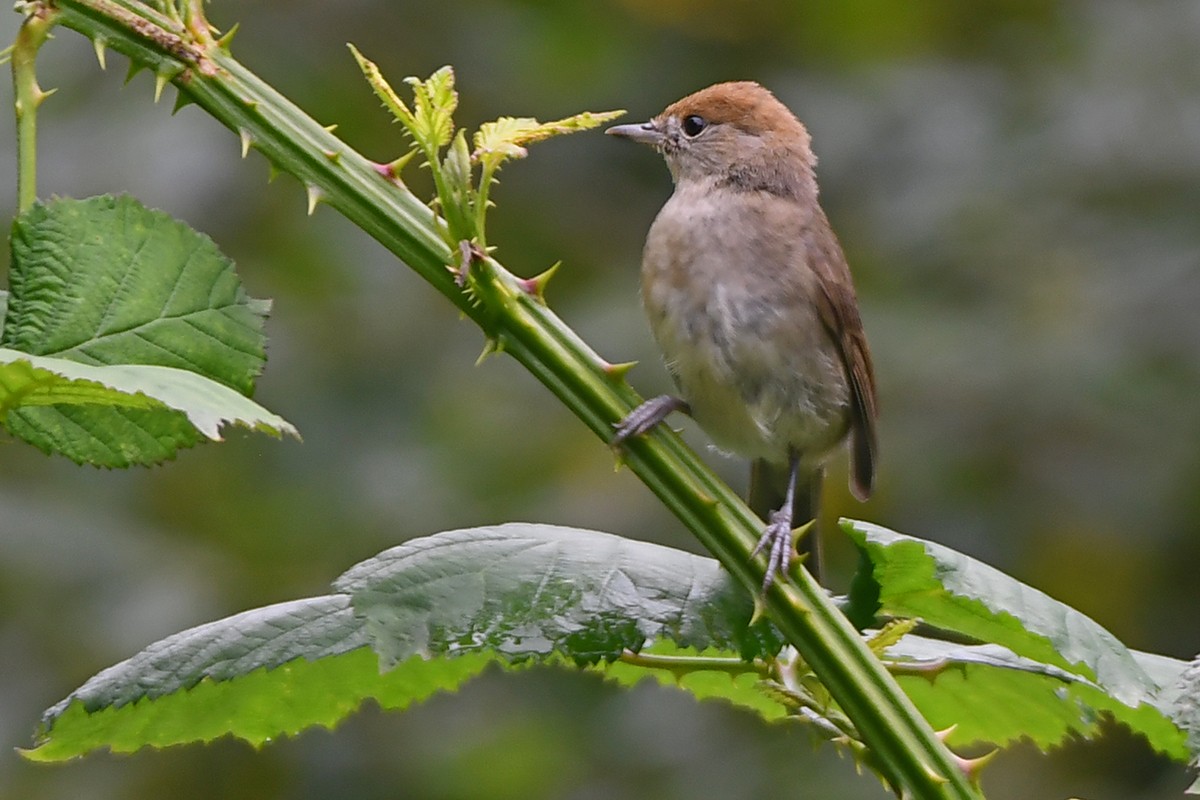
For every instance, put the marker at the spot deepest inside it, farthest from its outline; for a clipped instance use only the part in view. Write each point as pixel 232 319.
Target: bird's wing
pixel 838 308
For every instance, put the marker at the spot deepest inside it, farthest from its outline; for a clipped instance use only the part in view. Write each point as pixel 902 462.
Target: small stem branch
pixel 682 665
pixel 27 97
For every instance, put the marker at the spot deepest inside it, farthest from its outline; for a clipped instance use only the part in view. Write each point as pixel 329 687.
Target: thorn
pixel 936 776
pixel 272 172
pixel 330 128
pixel 100 47
pixel 946 733
pixel 181 99
pixel 491 346
pixel 388 172
pixel 760 609
pixel 314 196
pixel 40 96
pixel 134 69
pixel 971 767
pixel 225 40
pixel 160 81
pixel 247 140
pixel 798 533
pixel 536 286
pixel 617 372
pixel 333 155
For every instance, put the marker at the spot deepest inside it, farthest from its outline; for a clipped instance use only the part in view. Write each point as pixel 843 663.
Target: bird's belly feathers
pixel 747 351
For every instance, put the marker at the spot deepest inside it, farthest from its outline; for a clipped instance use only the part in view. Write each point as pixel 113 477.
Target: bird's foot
pixel 647 415
pixel 779 543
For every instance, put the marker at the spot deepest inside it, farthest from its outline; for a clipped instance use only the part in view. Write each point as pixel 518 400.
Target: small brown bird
pixel 750 299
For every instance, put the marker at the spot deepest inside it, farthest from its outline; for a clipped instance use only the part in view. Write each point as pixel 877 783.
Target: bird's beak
pixel 644 133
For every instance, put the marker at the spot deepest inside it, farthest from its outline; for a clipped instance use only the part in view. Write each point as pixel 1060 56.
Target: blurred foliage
pixel 1016 186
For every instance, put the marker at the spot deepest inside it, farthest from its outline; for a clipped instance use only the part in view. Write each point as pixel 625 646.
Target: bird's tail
pixel 768 490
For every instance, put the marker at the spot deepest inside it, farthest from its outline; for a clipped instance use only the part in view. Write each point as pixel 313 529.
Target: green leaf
pixel 990 695
pixel 527 590
pixel 434 104
pixel 258 675
pixel 430 122
pixel 108 281
pixel 383 90
pixel 954 592
pixel 105 281
pixel 30 381
pixel 907 577
pixel 436 610
pixel 506 137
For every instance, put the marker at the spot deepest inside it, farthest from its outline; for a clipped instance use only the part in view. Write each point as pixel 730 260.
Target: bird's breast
pixel 729 298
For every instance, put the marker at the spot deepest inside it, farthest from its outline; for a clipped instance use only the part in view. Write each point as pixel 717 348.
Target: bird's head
pixel 735 131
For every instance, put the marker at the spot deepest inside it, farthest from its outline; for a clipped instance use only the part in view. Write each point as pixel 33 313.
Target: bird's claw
pixel 779 541
pixel 647 415
pixel 776 541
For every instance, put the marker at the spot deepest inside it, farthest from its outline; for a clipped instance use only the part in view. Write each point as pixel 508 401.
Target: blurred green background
pixel 1016 184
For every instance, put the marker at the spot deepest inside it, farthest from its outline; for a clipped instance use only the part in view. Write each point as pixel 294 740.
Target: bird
pixel 751 301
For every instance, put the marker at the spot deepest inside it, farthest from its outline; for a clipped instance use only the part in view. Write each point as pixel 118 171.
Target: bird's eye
pixel 693 124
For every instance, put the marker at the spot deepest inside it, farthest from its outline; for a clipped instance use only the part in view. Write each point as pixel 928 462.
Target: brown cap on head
pixel 744 104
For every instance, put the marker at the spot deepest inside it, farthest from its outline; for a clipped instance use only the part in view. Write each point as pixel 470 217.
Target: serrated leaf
pixel 383 90
pixel 434 104
pixel 905 576
pixel 256 676
pixel 987 703
pixel 436 610
pixel 528 590
pixel 506 137
pixel 32 381
pixel 106 281
pixel 991 695
pixel 954 592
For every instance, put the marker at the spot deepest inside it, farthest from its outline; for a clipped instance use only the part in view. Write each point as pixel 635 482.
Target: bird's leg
pixel 776 540
pixel 647 415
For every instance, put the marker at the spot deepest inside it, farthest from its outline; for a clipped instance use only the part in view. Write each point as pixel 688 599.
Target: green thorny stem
pixel 27 97
pixel 513 316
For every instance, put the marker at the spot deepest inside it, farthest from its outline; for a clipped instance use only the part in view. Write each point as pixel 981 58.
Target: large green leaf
pixel 105 282
pixel 903 576
pixel 528 590
pixel 257 675
pixel 33 381
pixel 431 613
pixel 924 580
pixel 988 694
